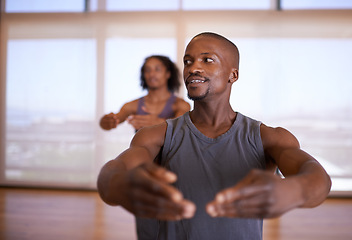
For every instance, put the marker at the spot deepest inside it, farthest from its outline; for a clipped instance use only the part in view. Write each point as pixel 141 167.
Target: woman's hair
pixel 173 83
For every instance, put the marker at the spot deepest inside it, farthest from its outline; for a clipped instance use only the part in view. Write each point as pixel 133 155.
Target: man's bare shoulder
pixel 150 136
pixel 277 137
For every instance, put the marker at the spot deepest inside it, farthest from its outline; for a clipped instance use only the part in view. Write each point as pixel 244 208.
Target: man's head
pixel 210 65
pixel 173 82
pixel 230 46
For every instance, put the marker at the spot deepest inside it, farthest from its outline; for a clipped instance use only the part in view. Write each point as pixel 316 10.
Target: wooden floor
pixel 65 215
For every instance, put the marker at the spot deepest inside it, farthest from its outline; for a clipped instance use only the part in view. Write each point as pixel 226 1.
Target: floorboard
pixel 65 214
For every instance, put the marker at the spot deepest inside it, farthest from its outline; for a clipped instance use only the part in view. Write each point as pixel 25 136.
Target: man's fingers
pixel 189 208
pixel 167 210
pixel 156 180
pixel 252 206
pixel 161 173
pixel 233 193
pixel 250 185
pixel 240 192
pixel 251 197
pixel 151 194
pixel 164 202
pixel 159 188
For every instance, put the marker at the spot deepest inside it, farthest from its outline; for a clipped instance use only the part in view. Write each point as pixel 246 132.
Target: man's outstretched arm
pixel 134 182
pixel 261 194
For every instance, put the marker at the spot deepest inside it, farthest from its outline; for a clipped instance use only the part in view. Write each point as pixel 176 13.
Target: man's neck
pixel 212 120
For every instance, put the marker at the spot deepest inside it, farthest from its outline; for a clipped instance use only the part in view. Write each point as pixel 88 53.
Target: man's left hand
pixel 261 194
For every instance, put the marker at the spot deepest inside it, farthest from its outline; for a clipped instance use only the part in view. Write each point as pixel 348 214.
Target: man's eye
pixel 186 62
pixel 209 60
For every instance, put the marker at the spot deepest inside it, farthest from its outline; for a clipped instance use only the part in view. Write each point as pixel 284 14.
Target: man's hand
pixel 261 194
pixel 109 121
pixel 150 194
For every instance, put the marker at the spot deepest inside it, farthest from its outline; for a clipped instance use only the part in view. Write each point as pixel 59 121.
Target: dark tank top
pixel 204 166
pixel 166 113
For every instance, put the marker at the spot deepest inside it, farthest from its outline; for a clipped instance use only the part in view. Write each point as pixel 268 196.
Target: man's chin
pixel 197 98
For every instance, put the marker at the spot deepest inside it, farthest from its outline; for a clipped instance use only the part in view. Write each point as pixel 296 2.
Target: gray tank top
pixel 205 166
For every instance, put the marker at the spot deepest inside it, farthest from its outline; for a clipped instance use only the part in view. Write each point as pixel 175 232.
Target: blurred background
pixel 65 63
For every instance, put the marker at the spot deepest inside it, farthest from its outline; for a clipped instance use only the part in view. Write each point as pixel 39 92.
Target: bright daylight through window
pixel 63 73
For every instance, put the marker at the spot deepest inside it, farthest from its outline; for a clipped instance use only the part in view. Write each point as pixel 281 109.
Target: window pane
pixel 142 5
pixel 44 6
pixel 50 110
pixel 225 4
pixel 93 5
pixel 310 94
pixel 316 4
pixel 124 59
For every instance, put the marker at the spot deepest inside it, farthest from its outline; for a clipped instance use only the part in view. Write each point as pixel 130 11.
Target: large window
pixel 310 94
pixel 61 74
pixel 50 108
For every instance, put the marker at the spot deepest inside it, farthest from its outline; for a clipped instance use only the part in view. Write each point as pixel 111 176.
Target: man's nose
pixel 196 67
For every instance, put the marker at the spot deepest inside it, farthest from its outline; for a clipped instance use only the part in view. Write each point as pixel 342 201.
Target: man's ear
pixel 233 75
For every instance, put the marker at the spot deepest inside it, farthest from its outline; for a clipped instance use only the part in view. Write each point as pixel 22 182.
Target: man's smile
pixel 194 79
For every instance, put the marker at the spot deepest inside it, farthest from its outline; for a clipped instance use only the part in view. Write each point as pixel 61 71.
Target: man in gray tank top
pixel 210 174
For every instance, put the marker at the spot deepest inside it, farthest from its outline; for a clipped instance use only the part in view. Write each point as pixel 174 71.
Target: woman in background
pixel 160 76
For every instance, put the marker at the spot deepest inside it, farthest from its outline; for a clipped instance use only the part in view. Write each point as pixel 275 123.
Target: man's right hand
pixel 150 195
pixel 109 121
